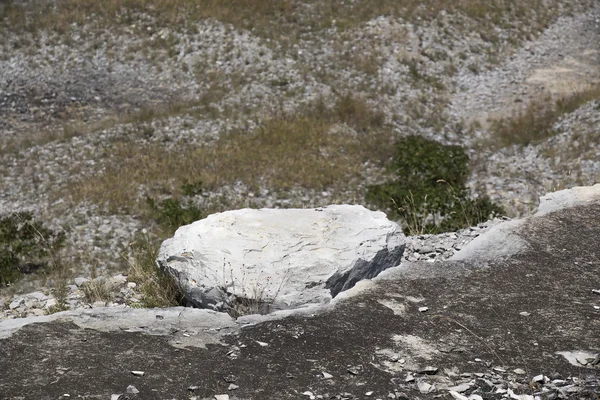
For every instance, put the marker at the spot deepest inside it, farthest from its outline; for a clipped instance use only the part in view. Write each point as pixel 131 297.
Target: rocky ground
pixel 69 101
pixel 513 315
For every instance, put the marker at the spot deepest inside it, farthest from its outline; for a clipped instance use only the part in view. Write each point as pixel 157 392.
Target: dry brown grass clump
pixel 316 149
pixel 158 289
pixel 534 123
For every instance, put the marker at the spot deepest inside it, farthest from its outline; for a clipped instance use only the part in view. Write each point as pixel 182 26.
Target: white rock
pixel 463 387
pixel 50 303
pixel 458 396
pixel 138 373
pixel 80 280
pixel 326 375
pixel 289 258
pixel 16 303
pixel 132 390
pixel 519 371
pixel 425 387
pixel 423 309
pixel 221 397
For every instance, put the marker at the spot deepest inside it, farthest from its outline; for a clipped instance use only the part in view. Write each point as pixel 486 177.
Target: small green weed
pixel 171 213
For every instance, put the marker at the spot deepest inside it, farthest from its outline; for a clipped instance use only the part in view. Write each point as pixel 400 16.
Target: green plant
pixel 60 292
pixel 171 213
pixel 429 194
pixel 158 289
pixel 25 246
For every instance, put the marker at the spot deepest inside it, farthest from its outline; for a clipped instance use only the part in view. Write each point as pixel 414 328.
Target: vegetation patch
pixel 429 194
pixel 158 288
pixel 534 123
pixel 317 148
pixel 284 20
pixel 25 246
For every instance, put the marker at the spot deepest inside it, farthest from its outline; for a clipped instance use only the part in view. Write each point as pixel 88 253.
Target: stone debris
pixel 138 373
pixel 43 301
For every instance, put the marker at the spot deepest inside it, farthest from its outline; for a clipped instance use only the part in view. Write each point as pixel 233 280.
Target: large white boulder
pixel 280 259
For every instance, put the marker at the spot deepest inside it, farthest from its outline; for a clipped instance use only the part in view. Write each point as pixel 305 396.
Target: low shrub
pixel 25 246
pixel 172 213
pixel 429 194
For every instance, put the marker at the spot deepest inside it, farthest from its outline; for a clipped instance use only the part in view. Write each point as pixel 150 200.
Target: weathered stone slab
pixel 281 258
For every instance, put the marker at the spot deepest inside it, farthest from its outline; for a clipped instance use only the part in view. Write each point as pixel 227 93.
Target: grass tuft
pixel 534 123
pixel 158 289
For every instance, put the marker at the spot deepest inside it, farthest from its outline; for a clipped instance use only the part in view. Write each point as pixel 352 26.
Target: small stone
pixel 458 396
pixel 539 378
pixel 80 281
pixel 423 309
pixel 355 370
pixel 524 313
pixel 499 369
pixel 409 378
pixel 262 344
pixel 193 388
pixel 138 373
pixel 369 393
pixel 463 387
pixel 519 371
pixel 221 397
pixel 425 387
pixel 326 375
pixel 116 397
pixel 232 386
pixel 16 303
pixel 309 394
pixel 51 303
pixel 429 370
pixel 596 291
pixel 131 285
pixel 132 390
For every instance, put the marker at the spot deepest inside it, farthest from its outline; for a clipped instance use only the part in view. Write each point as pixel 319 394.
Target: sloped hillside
pixel 121 116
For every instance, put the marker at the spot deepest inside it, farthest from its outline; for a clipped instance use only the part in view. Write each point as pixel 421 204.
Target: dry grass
pixel 157 288
pixel 534 123
pixel 98 290
pixel 313 149
pixel 281 19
